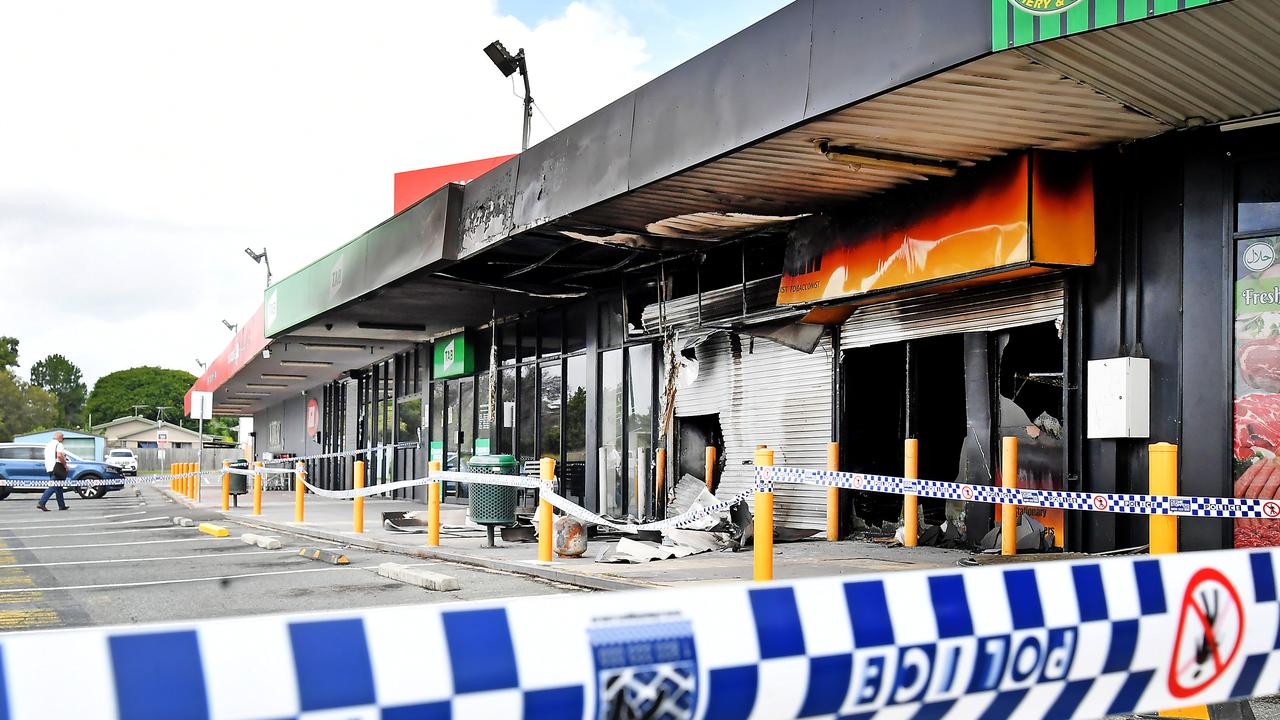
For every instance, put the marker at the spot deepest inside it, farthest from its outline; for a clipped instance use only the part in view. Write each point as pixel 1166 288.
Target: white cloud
pixel 145 144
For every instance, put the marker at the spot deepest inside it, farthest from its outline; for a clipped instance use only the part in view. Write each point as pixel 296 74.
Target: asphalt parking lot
pixel 120 559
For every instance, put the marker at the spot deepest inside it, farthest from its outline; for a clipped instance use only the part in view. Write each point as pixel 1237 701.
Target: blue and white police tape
pixel 1055 640
pixel 343 453
pixel 1186 506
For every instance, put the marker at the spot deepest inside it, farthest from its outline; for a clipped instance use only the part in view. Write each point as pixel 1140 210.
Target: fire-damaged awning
pixel 830 102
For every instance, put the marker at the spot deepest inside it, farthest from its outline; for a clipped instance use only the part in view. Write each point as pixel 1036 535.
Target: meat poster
pixel 1257 384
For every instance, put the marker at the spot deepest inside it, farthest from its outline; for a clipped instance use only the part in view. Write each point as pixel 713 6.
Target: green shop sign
pixel 1021 22
pixel 453 356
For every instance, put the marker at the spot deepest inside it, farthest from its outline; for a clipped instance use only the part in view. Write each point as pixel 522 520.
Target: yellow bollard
pixel 833 494
pixel 910 503
pixel 547 472
pixel 763 530
pixel 257 489
pixel 1009 511
pixel 195 481
pixel 357 520
pixel 299 491
pixel 226 486
pixel 185 469
pixel 711 467
pixel 1163 471
pixel 433 506
pixel 173 481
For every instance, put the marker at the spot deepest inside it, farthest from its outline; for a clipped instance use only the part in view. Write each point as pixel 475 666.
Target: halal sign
pixel 1044 7
pixel 1210 632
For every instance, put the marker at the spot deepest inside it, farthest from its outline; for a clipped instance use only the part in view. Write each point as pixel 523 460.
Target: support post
pixel 910 502
pixel 299 492
pixel 833 494
pixel 763 530
pixel 226 486
pixel 711 467
pixel 257 488
pixel 1009 511
pixel 357 520
pixel 1163 471
pixel 547 472
pixel 433 506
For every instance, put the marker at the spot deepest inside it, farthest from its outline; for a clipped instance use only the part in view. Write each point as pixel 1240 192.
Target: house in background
pixel 83 445
pixel 140 432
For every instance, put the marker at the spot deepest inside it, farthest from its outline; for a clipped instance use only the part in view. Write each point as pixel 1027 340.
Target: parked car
pixel 23 461
pixel 124 459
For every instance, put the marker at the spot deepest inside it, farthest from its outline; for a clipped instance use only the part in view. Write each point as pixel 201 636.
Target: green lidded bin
pixel 493 504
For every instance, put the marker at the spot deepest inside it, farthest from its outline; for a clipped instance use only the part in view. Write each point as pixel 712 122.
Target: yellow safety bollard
pixel 833 494
pixel 299 491
pixel 185 468
pixel 433 505
pixel 173 481
pixel 547 473
pixel 910 502
pixel 711 467
pixel 763 530
pixel 1163 471
pixel 357 520
pixel 1009 511
pixel 195 481
pixel 257 488
pixel 226 486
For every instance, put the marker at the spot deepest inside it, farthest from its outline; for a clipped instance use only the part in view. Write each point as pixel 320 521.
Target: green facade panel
pixel 1015 23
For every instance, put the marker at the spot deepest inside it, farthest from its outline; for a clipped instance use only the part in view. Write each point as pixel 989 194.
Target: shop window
pixel 614 498
pixel 610 323
pixel 550 329
pixel 549 411
pixel 1258 196
pixel 527 410
pixel 437 422
pixel 574 463
pixel 507 403
pixel 410 420
pixel 575 327
pixel 528 338
pixel 466 420
pixel 640 425
pixel 641 292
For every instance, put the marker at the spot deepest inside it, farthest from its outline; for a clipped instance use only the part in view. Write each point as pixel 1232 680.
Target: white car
pixel 123 459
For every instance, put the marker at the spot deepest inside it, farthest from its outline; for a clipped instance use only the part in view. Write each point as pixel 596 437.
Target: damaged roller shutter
pixel 764 393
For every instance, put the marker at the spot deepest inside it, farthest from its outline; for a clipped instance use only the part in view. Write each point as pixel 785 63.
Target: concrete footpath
pixel 461 542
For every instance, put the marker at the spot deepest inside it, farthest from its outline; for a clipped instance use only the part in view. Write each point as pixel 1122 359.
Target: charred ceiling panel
pixel 577 167
pixel 910 40
pixel 488 206
pixel 747 87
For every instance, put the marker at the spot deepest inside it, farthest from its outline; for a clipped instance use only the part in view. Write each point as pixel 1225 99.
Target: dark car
pixel 21 462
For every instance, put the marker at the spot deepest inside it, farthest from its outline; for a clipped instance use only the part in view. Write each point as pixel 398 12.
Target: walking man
pixel 55 463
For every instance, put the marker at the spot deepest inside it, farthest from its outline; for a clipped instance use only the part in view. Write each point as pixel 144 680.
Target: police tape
pixel 1185 506
pixel 1062 639
pixel 343 453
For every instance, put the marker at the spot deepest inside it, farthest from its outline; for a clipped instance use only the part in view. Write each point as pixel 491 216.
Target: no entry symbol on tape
pixel 1100 502
pixel 1210 632
pixel 966 492
pixel 1271 509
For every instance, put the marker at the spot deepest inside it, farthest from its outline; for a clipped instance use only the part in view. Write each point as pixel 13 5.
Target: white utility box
pixel 1118 398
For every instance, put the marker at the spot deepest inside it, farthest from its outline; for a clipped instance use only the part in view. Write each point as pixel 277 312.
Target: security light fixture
pixel 282 376
pixel 859 158
pixel 508 64
pixel 305 363
pixel 202 365
pixel 231 326
pixel 260 258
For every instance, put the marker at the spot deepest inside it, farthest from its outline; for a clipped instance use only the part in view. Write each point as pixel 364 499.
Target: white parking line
pixel 102 532
pixel 148 583
pixel 92 524
pixel 74 519
pixel 152 559
pixel 119 544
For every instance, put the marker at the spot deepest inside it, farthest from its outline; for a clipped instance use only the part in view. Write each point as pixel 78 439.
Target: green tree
pixel 8 352
pixel 24 407
pixel 115 394
pixel 62 378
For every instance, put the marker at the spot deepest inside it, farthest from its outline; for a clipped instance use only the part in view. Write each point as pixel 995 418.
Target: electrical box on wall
pixel 1119 398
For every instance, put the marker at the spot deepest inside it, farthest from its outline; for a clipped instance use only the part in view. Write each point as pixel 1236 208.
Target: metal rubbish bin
pixel 493 505
pixel 238 484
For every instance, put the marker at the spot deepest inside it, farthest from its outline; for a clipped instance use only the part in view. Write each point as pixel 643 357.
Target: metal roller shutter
pixel 996 307
pixel 765 393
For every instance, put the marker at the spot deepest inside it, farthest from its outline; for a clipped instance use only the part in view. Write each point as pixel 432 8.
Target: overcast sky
pixel 144 145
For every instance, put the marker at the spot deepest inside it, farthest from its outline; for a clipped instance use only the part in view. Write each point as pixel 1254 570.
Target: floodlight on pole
pixel 230 326
pixel 508 64
pixel 202 365
pixel 260 258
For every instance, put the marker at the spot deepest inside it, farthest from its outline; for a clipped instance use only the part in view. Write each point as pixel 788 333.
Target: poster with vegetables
pixel 1257 384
